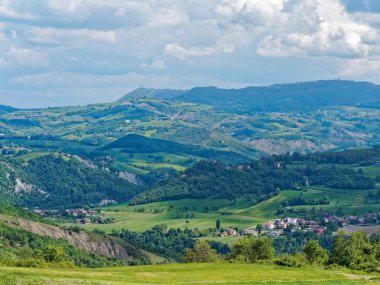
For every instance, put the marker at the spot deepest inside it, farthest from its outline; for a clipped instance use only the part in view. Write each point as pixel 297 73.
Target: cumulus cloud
pixel 221 41
pixel 67 36
pixel 23 56
pixel 362 69
pixel 182 53
pixel 10 9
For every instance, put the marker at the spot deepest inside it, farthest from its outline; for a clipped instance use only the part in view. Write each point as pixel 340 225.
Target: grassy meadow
pixel 241 213
pixel 175 214
pixel 186 274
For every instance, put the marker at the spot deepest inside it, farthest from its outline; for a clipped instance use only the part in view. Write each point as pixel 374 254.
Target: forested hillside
pixel 265 177
pixel 287 97
pixel 6 109
pixel 56 181
pixel 139 144
pixel 274 98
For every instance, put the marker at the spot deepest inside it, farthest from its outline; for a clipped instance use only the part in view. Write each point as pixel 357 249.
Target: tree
pixel 53 254
pixel 359 251
pixel 252 249
pixel 259 228
pixel 200 253
pixel 217 225
pixel 315 254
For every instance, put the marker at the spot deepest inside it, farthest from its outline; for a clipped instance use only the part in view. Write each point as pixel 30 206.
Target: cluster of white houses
pixel 294 224
pixel 276 228
pixel 81 216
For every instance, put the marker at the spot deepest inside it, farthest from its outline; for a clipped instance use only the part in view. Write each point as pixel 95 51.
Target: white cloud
pixel 223 42
pixel 70 36
pixel 318 28
pixel 182 53
pixel 65 6
pixel 9 8
pixel 19 56
pixel 257 12
pixel 157 64
pixel 362 69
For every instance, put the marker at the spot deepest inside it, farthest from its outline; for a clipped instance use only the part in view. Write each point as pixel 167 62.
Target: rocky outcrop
pixel 22 187
pixel 82 240
pixel 282 146
pixel 130 177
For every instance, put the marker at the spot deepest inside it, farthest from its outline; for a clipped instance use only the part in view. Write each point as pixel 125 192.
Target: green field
pixel 186 274
pixel 242 213
pixel 350 201
pixel 203 213
pixel 176 213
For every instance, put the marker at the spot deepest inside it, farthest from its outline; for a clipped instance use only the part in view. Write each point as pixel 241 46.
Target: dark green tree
pixel 217 224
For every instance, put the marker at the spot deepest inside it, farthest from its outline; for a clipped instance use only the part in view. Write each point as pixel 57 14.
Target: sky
pixel 75 52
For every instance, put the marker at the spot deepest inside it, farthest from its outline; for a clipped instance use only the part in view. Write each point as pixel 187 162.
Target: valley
pixel 190 142
pixel 242 136
pixel 153 176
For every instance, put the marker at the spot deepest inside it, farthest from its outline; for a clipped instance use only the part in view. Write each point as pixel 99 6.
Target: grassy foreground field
pixel 185 274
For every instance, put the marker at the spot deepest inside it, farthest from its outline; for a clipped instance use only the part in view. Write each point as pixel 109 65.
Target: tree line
pixel 356 252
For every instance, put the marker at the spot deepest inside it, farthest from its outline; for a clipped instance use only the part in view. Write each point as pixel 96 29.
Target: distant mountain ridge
pixel 7 109
pixel 164 94
pixel 275 98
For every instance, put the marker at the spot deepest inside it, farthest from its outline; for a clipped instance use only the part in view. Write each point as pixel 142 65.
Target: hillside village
pixel 278 227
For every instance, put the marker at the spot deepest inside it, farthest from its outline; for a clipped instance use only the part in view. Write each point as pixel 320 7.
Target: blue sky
pixel 70 52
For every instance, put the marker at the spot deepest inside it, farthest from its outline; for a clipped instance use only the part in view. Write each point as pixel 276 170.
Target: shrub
pixel 296 260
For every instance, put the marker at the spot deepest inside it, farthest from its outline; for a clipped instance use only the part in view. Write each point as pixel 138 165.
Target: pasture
pixel 237 274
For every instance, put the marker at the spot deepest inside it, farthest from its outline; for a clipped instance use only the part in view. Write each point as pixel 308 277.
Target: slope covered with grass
pixel 237 274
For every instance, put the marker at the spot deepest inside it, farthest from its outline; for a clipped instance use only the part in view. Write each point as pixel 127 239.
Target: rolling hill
pixel 164 94
pixel 55 181
pixel 274 98
pixel 140 144
pixel 7 109
pixel 172 134
pixel 266 177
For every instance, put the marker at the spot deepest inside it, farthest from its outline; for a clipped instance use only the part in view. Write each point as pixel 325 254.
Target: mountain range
pixel 274 98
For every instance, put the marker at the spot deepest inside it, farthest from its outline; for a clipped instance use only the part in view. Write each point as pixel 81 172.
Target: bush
pixel 296 260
